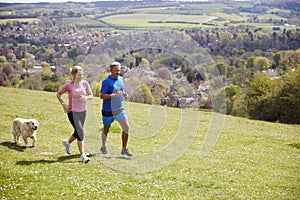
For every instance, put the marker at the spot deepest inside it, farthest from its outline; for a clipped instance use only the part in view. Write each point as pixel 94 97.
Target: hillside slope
pixel 251 159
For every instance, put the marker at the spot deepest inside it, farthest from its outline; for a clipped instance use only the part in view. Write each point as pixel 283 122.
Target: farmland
pixel 167 15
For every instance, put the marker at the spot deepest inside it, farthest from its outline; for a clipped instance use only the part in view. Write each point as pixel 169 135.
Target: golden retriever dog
pixel 25 128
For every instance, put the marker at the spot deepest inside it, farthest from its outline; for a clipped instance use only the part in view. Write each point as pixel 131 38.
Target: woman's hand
pixel 83 98
pixel 65 107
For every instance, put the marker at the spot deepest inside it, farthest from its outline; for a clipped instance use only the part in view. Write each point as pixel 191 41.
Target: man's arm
pixel 110 96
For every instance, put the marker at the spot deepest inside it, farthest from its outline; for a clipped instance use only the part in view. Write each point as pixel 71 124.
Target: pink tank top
pixel 74 93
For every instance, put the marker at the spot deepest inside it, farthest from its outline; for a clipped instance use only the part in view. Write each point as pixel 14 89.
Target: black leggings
pixel 77 120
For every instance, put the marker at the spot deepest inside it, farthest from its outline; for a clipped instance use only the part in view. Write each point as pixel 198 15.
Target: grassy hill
pixel 250 160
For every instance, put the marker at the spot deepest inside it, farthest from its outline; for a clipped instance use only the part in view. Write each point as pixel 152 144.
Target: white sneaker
pixel 84 158
pixel 67 146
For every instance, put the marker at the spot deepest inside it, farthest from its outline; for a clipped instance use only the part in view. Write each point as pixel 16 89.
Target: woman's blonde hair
pixel 75 70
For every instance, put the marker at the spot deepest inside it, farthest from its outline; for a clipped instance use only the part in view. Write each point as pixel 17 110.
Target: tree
pixel 158 90
pixel 2 82
pixel 11 57
pixel 8 70
pixel 45 65
pixel 73 53
pixel 262 63
pixel 33 82
pixel 164 73
pixel 145 64
pixel 277 58
pixel 146 94
pixel 21 39
pixel 260 98
pixel 3 59
pixel 239 76
pixel 52 87
pixel 293 60
pixel 47 74
pixel 289 98
pixel 138 59
pixel 24 63
pixel 221 66
pixel 250 62
pixel 239 107
pixel 231 93
pixel 156 64
pixel 142 95
pixel 182 91
pixel 99 85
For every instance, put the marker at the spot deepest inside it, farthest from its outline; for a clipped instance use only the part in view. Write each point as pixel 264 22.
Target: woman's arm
pixel 89 94
pixel 60 99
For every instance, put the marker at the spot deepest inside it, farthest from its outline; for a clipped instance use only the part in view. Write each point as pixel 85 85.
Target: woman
pixel 78 91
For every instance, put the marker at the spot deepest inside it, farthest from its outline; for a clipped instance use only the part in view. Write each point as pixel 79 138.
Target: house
pixel 35 70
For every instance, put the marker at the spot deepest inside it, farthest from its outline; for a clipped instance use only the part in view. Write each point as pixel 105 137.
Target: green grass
pixel 230 17
pixel 251 160
pixel 29 20
pixel 141 20
pixel 197 9
pixel 82 21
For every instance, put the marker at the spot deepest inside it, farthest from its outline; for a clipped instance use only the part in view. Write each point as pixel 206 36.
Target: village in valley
pixel 186 64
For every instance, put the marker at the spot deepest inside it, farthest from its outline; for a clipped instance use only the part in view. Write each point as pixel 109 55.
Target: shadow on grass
pixel 30 162
pixel 14 146
pixel 43 161
pixel 110 157
pixel 68 157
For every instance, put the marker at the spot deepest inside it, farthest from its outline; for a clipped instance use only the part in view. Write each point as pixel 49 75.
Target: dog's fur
pixel 25 128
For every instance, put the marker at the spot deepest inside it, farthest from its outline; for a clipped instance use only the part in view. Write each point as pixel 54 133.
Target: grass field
pixel 29 20
pixel 82 21
pixel 251 160
pixel 141 20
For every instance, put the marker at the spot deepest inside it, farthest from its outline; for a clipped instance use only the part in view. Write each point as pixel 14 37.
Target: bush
pixel 52 87
pixel 259 97
pixel 289 99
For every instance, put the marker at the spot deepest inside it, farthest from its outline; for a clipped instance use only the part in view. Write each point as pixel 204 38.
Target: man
pixel 112 92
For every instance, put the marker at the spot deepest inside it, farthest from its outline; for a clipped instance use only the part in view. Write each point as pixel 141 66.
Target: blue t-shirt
pixel 109 86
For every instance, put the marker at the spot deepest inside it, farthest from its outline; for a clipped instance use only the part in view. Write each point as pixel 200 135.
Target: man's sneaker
pixel 67 146
pixel 103 150
pixel 84 158
pixel 126 152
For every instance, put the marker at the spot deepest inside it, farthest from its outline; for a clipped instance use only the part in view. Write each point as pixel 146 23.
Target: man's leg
pixel 104 135
pixel 106 126
pixel 125 130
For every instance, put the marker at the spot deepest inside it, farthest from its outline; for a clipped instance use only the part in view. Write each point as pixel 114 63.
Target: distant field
pixel 196 9
pixel 142 20
pixel 229 17
pixel 6 13
pixel 83 21
pixel 271 16
pixel 29 20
